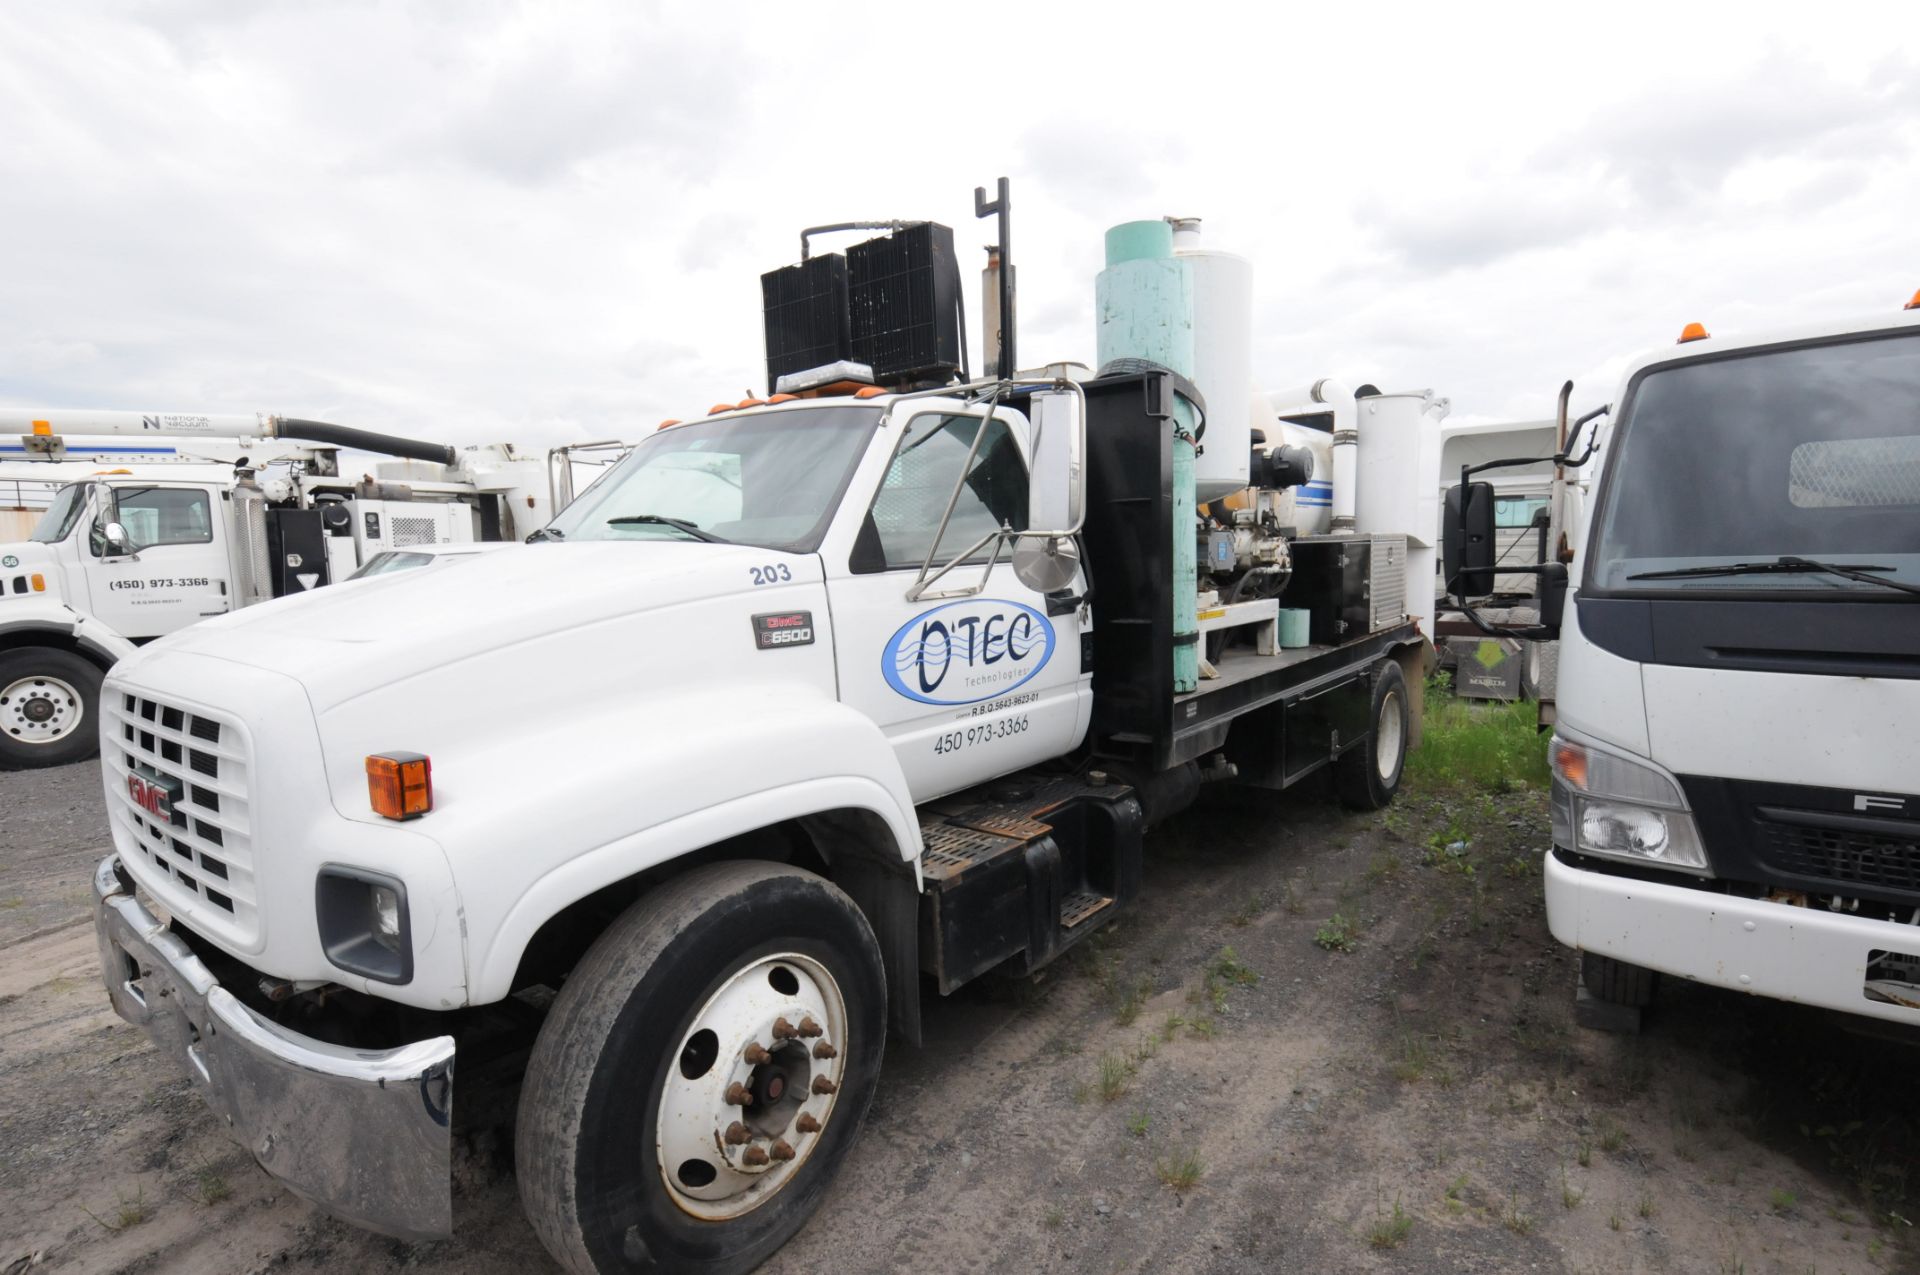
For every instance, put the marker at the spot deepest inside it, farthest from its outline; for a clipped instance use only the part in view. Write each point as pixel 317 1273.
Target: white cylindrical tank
pixel 1399 465
pixel 1222 358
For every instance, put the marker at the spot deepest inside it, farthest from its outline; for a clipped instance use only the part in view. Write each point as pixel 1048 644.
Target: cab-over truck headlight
pixel 1608 804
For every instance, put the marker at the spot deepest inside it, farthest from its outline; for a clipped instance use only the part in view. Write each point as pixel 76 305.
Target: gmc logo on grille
pixel 151 795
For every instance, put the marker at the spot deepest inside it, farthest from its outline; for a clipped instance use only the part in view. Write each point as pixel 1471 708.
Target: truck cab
pixel 1736 759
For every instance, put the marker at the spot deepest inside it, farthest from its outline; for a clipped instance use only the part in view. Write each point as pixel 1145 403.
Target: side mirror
pixel 1055 491
pixel 119 544
pixel 1553 595
pixel 1466 552
pixel 1058 450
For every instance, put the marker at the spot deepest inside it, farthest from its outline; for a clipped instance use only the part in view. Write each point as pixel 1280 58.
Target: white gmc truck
pixel 808 701
pixel 1736 756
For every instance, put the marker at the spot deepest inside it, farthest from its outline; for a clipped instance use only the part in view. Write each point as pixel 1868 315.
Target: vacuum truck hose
pixel 364 439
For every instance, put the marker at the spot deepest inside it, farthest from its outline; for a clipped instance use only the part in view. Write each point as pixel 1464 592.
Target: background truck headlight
pixel 1611 805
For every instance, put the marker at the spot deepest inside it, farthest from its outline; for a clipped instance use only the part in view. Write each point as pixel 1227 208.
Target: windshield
pixel 61 514
pixel 770 479
pixel 1811 452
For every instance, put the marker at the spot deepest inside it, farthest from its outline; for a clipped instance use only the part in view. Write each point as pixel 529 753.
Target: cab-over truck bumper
pixel 1803 954
pixel 364 1134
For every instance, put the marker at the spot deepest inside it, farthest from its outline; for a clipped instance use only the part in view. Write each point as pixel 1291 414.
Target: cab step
pixel 1020 870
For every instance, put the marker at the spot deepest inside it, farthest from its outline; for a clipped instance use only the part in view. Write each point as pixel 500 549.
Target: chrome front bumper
pixel 364 1134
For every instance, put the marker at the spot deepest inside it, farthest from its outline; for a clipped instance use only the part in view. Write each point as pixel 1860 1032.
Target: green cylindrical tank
pixel 1143 304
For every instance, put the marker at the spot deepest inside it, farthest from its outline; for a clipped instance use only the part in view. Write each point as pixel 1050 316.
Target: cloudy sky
pixel 547 221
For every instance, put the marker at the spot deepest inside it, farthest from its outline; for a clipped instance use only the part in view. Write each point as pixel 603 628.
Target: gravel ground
pixel 1213 1085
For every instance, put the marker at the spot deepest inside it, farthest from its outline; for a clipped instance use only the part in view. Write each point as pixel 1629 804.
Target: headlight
pixel 363 922
pixel 1612 805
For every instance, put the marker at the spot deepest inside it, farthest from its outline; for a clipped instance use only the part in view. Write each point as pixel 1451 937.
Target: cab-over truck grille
pixel 200 846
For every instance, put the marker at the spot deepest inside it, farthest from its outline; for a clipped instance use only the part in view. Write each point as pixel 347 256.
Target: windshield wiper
pixel 546 533
pixel 678 524
pixel 1787 565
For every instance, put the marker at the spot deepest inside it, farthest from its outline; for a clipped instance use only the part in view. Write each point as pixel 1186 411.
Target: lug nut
pixel 738 1095
pixel 810 1028
pixel 824 1050
pixel 822 1085
pixel 782 1150
pixel 756 1055
pixel 784 1030
pixel 806 1123
pixel 738 1135
pixel 754 1157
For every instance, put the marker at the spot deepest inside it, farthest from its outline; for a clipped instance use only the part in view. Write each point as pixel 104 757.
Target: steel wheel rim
pixel 1386 736
pixel 711 1171
pixel 41 710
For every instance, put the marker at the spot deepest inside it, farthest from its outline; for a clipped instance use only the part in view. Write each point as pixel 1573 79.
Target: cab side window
pixel 906 513
pixel 157 516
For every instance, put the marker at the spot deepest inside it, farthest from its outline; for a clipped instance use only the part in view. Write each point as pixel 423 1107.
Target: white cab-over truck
pixel 1736 752
pixel 879 688
pixel 165 519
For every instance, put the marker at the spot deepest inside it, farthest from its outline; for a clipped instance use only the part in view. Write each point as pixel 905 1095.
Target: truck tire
pixel 1615 981
pixel 49 707
pixel 630 1153
pixel 1368 776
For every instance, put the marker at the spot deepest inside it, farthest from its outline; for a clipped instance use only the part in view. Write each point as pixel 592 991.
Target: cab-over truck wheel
pixel 702 1074
pixel 49 707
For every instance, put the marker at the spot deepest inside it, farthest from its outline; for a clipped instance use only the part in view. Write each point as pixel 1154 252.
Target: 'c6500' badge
pixel 783 628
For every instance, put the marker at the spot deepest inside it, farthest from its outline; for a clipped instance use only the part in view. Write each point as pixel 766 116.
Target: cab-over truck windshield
pixel 1724 467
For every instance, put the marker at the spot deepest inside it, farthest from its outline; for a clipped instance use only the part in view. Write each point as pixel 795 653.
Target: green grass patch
pixel 1478 745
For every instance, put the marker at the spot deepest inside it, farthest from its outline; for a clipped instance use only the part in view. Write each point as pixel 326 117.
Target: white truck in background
pixel 1736 753
pixel 888 684
pixel 139 539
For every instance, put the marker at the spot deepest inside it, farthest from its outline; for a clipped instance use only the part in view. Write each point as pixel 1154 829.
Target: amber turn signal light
pixel 400 785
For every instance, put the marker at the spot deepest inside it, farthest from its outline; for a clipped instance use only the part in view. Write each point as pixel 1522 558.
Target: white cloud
pixel 546 221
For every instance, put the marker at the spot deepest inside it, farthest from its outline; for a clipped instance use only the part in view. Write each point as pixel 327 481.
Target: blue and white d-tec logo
pixel 967 651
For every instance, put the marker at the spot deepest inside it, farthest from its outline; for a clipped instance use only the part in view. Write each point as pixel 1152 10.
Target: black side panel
pixel 1330 579
pixel 296 548
pixel 1129 544
pixel 1876 636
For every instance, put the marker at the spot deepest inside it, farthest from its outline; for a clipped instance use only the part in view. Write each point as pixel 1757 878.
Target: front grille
pixel 1849 859
pixel 202 851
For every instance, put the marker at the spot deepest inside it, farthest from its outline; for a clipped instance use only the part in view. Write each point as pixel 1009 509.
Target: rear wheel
pixel 1615 981
pixel 49 707
pixel 703 1073
pixel 1368 776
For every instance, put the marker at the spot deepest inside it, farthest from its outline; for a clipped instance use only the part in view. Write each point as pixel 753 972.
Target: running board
pixel 1020 870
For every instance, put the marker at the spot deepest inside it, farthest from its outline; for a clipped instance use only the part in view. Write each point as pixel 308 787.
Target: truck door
pixel 177 572
pixel 970 687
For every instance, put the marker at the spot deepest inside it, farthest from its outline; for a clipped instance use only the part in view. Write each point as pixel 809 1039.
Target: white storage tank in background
pixel 1222 359
pixel 1398 483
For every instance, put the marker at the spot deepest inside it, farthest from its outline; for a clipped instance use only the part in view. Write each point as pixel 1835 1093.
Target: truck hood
pixel 348 639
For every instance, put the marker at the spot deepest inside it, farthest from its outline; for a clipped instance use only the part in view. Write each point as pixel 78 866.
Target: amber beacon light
pixel 400 785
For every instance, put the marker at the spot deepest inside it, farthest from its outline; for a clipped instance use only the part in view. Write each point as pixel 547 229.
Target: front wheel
pixel 1368 776
pixel 49 707
pixel 703 1073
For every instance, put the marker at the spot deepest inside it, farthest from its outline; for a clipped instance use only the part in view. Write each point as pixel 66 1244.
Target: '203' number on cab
pixel 774 573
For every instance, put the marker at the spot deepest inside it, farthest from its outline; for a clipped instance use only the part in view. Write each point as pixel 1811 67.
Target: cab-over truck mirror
pixel 1466 552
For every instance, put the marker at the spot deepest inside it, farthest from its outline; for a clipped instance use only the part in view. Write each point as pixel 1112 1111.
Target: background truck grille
pixel 1845 857
pixel 202 852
